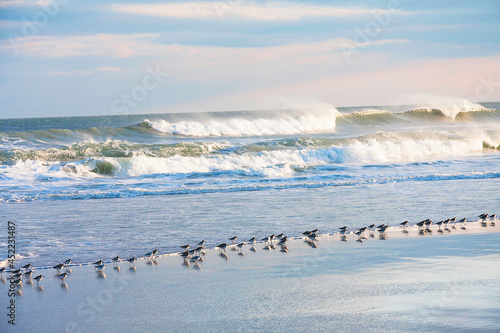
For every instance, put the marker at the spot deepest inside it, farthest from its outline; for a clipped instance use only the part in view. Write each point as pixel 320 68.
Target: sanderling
pixel 2 270
pixel 58 267
pixel 26 267
pixel 98 262
pixel 202 243
pixel 116 260
pixel 222 247
pixel 28 274
pixel 404 224
pixel 233 239
pixel 283 240
pixel 62 276
pixel 67 262
pixel 240 248
pixel 463 223
pixel 38 278
pixel 131 261
pixel 184 247
pixel 100 267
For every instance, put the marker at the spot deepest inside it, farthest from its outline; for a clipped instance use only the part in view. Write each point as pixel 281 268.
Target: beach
pixel 438 282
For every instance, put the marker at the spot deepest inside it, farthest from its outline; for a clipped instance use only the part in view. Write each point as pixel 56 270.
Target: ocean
pixel 90 188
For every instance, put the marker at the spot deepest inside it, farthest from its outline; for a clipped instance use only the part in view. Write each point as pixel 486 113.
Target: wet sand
pixel 440 282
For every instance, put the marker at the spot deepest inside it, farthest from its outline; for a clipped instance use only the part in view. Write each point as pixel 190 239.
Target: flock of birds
pixel 195 254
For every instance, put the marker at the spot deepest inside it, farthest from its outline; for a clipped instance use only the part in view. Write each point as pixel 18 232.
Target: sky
pixel 67 58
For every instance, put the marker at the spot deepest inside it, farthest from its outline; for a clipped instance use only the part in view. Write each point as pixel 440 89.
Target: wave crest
pixel 240 126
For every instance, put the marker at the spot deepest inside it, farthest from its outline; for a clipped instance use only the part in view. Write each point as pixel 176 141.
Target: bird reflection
pixel 101 275
pixel 224 255
pixel 64 286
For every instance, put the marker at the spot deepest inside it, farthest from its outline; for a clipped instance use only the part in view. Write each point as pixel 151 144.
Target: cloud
pixel 144 45
pixel 274 11
pixel 97 45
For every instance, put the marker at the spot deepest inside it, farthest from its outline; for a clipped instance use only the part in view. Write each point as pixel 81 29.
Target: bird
pixel 222 247
pixel 18 282
pixel 26 267
pixel 202 243
pixel 283 240
pixel 185 247
pixel 462 223
pixel 100 267
pixel 404 224
pixel 58 267
pixel 62 276
pixel 17 275
pixel 268 239
pixel 252 240
pixel 185 255
pixel 196 259
pixel 233 239
pixel 358 233
pixel 28 274
pixel 38 278
pixel 483 216
pixel 152 254
pixel 67 262
pixel 131 261
pixel 440 223
pixel 493 217
pixel 116 260
pixel 2 270
pixel 371 226
pixel 279 236
pixel 98 262
pixel 15 271
pixel 240 248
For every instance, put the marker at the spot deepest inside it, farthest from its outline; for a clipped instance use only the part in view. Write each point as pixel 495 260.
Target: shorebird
pixel 58 267
pixel 202 243
pixel 62 276
pixel 233 239
pixel 18 282
pixel 252 240
pixel 98 262
pixel 440 223
pixel 483 216
pixel 428 223
pixel 359 233
pixel 185 255
pixel 404 224
pixel 2 270
pixel 116 260
pixel 268 239
pixel 279 236
pixel 28 274
pixel 463 223
pixel 26 267
pixel 240 248
pixel 371 227
pixel 196 258
pixel 17 275
pixel 493 217
pixel 184 247
pixel 67 262
pixel 15 271
pixel 38 279
pixel 222 247
pixel 131 261
pixel 454 221
pixel 283 240
pixel 100 268
pixel 152 254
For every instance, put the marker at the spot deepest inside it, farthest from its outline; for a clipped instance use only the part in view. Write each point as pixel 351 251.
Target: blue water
pixel 92 187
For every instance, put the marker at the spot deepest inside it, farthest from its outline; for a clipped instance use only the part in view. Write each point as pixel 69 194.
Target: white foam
pixel 239 126
pixel 449 106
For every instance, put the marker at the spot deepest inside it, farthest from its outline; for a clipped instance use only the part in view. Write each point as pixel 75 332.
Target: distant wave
pixel 280 124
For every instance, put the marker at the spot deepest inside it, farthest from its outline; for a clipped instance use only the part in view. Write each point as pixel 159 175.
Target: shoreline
pixel 473 227
pixel 327 286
